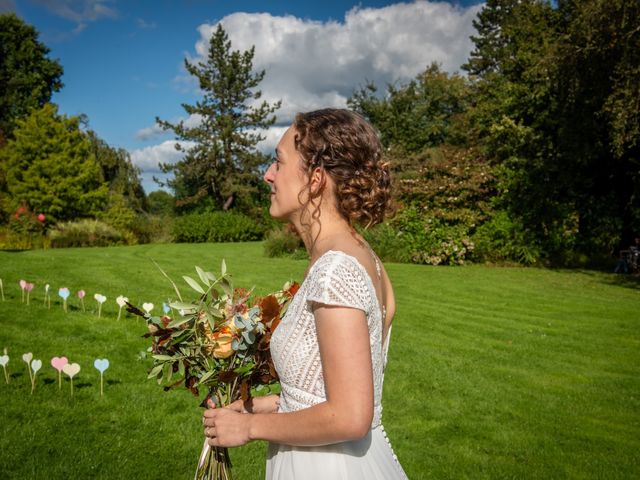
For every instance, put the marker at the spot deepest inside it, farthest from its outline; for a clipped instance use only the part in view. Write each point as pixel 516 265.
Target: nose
pixel 269 175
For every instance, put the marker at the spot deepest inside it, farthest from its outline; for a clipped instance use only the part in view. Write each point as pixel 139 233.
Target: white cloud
pixel 80 11
pixel 312 64
pixel 149 158
pixel 155 130
pixel 143 24
pixel 272 137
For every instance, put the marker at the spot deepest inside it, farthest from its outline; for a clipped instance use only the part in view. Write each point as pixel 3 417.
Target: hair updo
pixel 348 149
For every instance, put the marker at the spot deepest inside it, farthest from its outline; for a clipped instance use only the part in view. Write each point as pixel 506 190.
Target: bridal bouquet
pixel 217 344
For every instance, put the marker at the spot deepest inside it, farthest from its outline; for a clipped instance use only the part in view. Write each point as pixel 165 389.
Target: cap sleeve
pixel 338 280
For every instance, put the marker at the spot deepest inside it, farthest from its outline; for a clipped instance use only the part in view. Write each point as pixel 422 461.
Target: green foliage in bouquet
pixel 219 344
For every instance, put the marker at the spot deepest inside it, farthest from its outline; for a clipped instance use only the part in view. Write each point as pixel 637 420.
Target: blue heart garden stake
pixel 101 365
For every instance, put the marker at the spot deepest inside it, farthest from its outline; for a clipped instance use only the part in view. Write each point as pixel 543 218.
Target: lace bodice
pixel 334 279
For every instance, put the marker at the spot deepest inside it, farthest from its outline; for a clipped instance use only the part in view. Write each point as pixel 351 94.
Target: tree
pixel 558 109
pixel 417 115
pixel 223 165
pixel 122 176
pixel 27 76
pixel 50 168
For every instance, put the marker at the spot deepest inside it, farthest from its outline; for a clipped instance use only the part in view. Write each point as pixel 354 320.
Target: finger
pixel 211 403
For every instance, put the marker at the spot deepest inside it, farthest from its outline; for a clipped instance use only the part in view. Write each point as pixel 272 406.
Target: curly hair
pixel 349 151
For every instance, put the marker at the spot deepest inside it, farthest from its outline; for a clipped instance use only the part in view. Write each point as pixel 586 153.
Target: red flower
pixel 41 217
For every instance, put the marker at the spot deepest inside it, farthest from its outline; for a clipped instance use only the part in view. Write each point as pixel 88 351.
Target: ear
pixel 317 180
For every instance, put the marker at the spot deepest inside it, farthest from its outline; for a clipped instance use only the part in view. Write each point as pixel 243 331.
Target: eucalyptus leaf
pixel 203 276
pixel 193 284
pixel 184 306
pixel 226 286
pixel 179 321
pixel 163 358
pixel 223 267
pixel 155 371
pixel 181 368
pixel 250 337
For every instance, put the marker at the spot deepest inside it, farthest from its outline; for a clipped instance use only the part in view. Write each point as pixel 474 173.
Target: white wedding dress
pixel 334 279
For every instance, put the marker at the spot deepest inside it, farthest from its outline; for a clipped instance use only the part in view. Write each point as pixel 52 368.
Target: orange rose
pixel 221 347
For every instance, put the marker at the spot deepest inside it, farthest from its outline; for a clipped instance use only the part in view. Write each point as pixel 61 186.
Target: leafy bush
pixel 153 228
pixel 216 227
pixel 388 243
pixel 502 239
pixel 428 240
pixel 281 242
pixel 86 233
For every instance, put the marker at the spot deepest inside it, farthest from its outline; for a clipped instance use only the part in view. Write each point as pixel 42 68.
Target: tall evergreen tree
pixel 27 76
pixel 49 167
pixel 223 165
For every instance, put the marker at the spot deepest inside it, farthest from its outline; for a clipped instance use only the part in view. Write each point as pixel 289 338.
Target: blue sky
pixel 123 60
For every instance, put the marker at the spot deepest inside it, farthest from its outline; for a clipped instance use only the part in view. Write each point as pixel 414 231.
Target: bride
pixel 330 348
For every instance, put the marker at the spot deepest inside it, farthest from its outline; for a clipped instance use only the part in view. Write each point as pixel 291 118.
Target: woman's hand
pixel 266 404
pixel 225 427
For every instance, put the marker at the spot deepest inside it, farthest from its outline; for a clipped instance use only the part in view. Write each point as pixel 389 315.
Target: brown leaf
pixel 245 391
pixel 270 308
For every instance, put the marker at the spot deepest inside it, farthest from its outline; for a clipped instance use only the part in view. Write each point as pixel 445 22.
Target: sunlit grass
pixel 493 373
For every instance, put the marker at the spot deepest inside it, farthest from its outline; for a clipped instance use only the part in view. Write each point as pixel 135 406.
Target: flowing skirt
pixel 370 458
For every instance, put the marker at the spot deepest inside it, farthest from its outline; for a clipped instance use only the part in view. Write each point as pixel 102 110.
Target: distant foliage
pixel 216 227
pixel 28 77
pixel 86 233
pixel 281 242
pixel 444 201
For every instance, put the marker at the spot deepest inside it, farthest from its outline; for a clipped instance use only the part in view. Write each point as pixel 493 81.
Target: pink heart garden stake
pixel 81 294
pixel 28 287
pixel 23 284
pixel 58 363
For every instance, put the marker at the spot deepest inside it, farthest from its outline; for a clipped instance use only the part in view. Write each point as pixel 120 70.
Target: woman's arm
pixel 343 338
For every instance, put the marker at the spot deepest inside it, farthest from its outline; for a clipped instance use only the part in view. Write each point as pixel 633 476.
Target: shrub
pixel 387 242
pixel 282 242
pixel 86 233
pixel 428 240
pixel 152 228
pixel 502 239
pixel 216 227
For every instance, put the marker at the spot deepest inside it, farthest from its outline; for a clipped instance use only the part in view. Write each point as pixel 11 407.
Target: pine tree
pixel 50 168
pixel 222 166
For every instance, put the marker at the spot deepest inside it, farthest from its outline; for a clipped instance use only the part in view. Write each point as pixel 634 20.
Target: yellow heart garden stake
pixel 4 360
pixel 35 366
pixel 71 369
pixel 27 357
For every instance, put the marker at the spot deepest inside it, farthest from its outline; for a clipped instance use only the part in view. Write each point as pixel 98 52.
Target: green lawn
pixel 493 372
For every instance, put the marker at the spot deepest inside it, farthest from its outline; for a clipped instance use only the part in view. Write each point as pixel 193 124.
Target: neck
pixel 320 235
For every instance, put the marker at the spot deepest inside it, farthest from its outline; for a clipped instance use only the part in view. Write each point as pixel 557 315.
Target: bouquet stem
pixel 214 464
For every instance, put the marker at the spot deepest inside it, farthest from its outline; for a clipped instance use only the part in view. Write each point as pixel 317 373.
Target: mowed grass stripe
pixel 493 372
